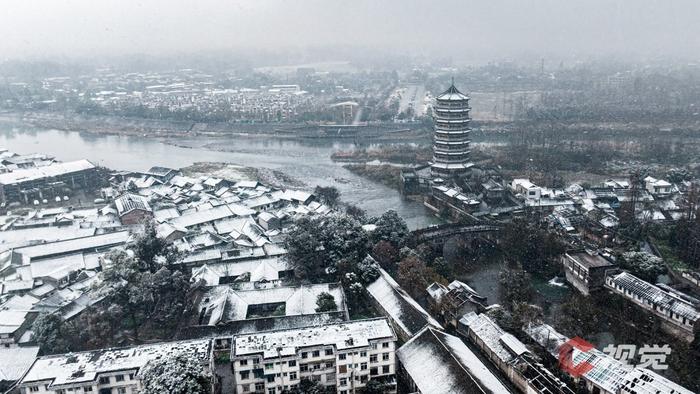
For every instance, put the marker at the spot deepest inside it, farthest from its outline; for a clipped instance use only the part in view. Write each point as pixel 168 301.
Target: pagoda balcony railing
pixel 451 104
pixel 440 121
pixel 456 132
pixel 463 115
pixel 452 109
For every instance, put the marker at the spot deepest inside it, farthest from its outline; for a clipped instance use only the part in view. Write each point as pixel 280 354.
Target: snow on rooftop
pixel 15 361
pixel 79 367
pixel 441 363
pixel 53 170
pixel 657 296
pixel 401 307
pixel 643 381
pixel 74 245
pixel 346 335
pixel 225 304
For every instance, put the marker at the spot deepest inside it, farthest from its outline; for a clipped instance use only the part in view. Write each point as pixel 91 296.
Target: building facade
pixel 679 317
pixel 451 139
pixel 585 270
pixel 344 356
pixel 47 182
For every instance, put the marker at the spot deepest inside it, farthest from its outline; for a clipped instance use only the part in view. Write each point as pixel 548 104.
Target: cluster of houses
pixel 230 233
pixel 590 212
pixel 185 91
pixel 256 330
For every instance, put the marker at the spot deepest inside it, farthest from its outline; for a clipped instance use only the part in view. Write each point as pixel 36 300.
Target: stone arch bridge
pixel 437 235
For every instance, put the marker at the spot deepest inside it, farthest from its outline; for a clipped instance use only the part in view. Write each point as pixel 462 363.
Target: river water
pixel 308 162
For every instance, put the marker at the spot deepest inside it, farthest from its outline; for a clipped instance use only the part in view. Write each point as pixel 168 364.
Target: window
pixel 292 363
pixel 374 346
pixel 270 378
pixel 329 365
pixel 329 352
pixel 34 389
pixel 373 371
pixel 316 367
pixel 303 367
pixel 259 386
pixel 385 345
pixel 343 392
pixel 246 388
pixel 87 389
pixel 269 365
pixel 104 379
pixel 341 356
pixel 373 358
pixel 60 391
pixel 258 373
pixel 342 369
pixel 363 366
pixel 363 378
pixel 121 390
pixel 131 376
pixel 343 381
pixel 245 375
pixel 385 369
pixel 315 353
pixel 304 355
pixel 385 357
pixel 271 390
pixel 120 378
pixel 363 354
pixel 243 362
pixel 292 376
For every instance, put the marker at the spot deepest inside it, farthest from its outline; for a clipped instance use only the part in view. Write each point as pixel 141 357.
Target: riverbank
pixel 385 174
pixel 234 173
pixel 173 129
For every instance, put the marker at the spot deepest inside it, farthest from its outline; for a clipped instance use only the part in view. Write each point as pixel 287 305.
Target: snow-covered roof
pixel 653 294
pixel 15 361
pixel 53 170
pixel 129 202
pixel 452 94
pixel 72 368
pixel 223 303
pixel 74 245
pixel 440 363
pixel 210 215
pixel 505 346
pixel 259 269
pixel 643 381
pixel 607 373
pixel 401 307
pixel 347 335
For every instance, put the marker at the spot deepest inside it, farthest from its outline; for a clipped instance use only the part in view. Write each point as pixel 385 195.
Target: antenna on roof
pixel 453 80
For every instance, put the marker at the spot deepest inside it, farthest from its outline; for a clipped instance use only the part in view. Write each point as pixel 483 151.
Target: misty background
pixel 269 32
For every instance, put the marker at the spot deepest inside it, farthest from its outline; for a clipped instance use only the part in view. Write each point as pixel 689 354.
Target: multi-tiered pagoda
pixel 451 140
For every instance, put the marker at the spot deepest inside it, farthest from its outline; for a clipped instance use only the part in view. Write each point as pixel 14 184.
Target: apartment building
pixel 341 355
pixel 105 371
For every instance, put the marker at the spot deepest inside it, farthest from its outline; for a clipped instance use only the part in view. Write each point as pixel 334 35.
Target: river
pixel 308 162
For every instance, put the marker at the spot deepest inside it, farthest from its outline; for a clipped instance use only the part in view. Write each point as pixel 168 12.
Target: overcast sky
pixel 473 29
